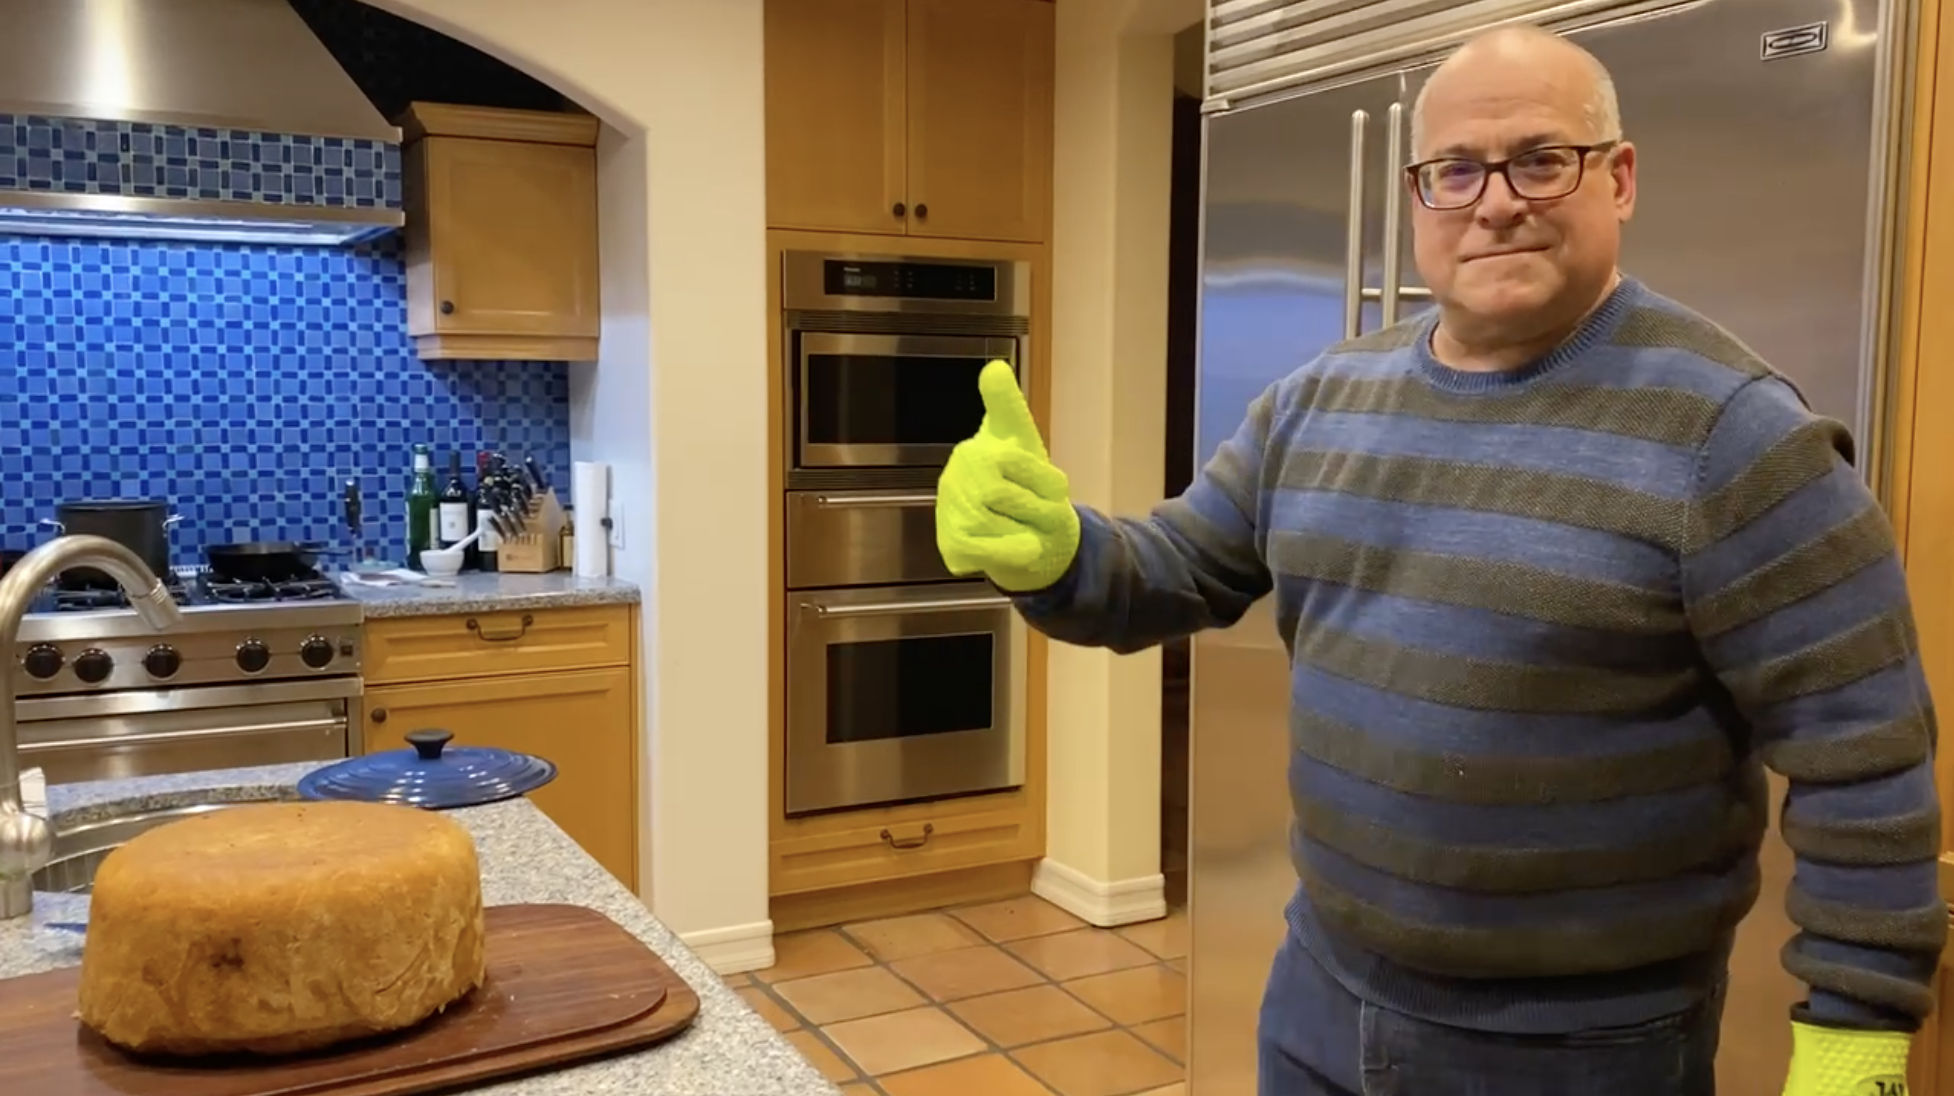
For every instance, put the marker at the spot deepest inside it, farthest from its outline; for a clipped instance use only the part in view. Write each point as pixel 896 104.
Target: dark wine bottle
pixel 486 545
pixel 454 505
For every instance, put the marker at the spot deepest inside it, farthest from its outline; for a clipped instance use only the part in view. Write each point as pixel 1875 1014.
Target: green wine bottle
pixel 422 514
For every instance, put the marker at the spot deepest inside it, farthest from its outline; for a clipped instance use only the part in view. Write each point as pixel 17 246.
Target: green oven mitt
pixel 1002 507
pixel 1838 1062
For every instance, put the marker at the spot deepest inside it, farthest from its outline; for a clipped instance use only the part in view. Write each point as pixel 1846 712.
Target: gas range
pixel 87 641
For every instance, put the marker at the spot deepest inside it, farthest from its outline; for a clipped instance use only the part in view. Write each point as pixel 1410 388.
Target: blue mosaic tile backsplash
pixel 245 384
pixel 88 156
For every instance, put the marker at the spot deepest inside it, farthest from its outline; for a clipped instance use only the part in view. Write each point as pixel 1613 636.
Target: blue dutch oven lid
pixel 431 775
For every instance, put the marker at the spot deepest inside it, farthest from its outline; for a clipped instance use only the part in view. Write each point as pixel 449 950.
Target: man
pixel 1559 564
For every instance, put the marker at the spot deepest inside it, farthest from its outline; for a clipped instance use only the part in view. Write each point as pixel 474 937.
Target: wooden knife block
pixel 539 547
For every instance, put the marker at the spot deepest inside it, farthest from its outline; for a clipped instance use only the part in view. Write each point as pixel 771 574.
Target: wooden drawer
pixel 443 648
pixel 895 850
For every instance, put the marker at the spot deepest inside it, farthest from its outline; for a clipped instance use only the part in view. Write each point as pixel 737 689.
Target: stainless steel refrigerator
pixel 1767 160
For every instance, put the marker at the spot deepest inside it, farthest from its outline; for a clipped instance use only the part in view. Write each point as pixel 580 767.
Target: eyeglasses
pixel 1537 175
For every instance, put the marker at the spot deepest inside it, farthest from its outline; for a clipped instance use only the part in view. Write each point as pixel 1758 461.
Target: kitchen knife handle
pixel 353 507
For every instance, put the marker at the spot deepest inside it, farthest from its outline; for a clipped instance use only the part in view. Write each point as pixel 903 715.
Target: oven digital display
pixel 915 281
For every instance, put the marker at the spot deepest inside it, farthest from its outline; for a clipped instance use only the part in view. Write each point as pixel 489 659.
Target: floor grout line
pixel 767 988
pixel 943 1006
pixel 814 1030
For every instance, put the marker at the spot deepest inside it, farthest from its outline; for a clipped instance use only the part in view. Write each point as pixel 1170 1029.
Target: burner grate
pixel 298 589
pixel 86 598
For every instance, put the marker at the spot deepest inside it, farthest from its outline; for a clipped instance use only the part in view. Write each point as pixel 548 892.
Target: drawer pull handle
pixel 379 715
pixel 867 502
pixel 501 637
pixel 903 843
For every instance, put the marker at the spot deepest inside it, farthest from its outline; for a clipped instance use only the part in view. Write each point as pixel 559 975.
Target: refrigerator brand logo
pixel 1792 41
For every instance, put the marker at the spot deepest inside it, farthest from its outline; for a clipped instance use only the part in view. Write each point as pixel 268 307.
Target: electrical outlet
pixel 617 525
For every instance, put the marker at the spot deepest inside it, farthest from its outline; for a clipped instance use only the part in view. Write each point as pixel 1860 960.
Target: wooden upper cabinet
pixel 980 118
pixel 835 111
pixel 911 117
pixel 501 233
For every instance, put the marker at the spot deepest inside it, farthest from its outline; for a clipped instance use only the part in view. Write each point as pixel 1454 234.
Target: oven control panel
pixel 914 280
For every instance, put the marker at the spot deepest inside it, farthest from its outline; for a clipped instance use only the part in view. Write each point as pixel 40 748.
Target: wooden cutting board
pixel 565 984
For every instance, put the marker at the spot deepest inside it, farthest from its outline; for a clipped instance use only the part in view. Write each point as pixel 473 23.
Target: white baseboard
pixel 1100 902
pixel 734 949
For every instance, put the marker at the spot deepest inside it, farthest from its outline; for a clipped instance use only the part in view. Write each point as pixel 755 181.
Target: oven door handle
pixel 909 608
pixel 157 737
pixel 874 502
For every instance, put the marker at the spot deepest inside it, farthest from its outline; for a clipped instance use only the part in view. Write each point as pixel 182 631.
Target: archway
pixel 676 404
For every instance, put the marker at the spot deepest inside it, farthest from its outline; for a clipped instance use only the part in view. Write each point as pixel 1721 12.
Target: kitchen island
pixel 728 1051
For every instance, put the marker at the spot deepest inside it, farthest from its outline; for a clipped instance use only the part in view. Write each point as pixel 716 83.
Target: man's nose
pixel 1498 206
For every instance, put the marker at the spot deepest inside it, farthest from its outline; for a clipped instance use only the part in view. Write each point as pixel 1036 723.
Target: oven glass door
pixel 902 693
pixel 889 400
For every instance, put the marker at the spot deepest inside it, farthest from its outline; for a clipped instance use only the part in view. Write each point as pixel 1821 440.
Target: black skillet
pixel 266 560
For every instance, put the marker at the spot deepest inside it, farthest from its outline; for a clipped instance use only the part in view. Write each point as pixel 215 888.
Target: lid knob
pixel 429 742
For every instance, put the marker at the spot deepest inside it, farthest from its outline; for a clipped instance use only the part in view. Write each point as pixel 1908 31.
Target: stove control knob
pixel 316 652
pixel 93 666
pixel 162 661
pixel 253 656
pixel 42 661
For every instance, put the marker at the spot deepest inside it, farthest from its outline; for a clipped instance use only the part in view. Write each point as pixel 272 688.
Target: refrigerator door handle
pixel 1353 255
pixel 1393 213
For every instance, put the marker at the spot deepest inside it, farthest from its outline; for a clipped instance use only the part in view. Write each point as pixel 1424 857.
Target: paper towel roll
pixel 590 494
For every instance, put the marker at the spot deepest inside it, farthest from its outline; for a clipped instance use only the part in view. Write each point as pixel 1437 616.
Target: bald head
pixel 1530 49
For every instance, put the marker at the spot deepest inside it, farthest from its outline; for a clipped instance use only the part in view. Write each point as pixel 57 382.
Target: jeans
pixel 1318 1039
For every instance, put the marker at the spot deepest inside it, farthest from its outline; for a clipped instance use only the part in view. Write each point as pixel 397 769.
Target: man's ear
pixel 1621 173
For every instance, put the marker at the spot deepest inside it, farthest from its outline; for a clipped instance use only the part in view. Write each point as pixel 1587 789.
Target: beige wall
pixel 677 405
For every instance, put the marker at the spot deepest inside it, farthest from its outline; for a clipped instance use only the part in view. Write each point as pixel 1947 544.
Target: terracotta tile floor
pixel 1012 998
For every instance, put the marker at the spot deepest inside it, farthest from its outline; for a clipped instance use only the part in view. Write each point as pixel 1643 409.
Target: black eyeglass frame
pixel 1490 168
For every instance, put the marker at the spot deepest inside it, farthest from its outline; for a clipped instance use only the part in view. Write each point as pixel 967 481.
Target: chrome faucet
pixel 26 840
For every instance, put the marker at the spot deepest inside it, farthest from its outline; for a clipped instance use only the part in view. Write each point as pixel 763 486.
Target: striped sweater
pixel 1546 628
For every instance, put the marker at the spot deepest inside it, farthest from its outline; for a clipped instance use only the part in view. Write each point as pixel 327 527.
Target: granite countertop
pixel 728 1051
pixel 489 593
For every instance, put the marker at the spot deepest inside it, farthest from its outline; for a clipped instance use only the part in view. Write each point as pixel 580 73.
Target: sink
pixel 79 850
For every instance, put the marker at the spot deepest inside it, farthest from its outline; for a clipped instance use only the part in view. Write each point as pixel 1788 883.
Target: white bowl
pixel 441 562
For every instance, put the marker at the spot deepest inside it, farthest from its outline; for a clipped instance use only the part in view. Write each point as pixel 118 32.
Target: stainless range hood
pixel 186 119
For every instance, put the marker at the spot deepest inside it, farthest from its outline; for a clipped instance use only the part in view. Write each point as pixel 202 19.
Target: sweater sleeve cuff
pixel 1059 596
pixel 1830 1010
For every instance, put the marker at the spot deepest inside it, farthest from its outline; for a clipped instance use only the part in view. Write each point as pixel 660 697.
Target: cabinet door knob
pixel 379 715
pixel 899 209
pixel 447 308
pixel 922 211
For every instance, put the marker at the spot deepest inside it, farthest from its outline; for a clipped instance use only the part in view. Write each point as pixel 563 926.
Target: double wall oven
pixel 904 683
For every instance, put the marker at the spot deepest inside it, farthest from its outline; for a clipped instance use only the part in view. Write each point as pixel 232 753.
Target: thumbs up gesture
pixel 1002 507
